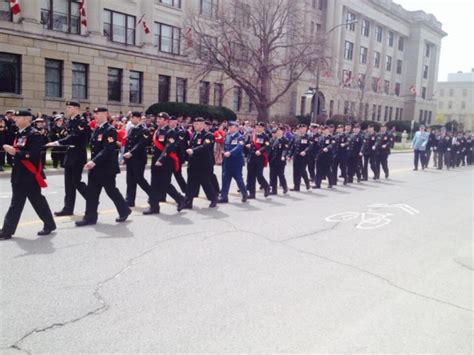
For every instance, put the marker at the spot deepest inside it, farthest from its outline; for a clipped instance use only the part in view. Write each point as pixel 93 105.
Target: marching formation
pixel 339 154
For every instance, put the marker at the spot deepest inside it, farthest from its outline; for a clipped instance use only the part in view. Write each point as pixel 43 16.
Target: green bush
pixel 365 124
pixel 192 110
pixel 401 126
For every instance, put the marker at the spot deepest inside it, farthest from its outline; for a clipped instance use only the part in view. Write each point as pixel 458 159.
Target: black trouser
pixel 32 192
pixel 277 171
pixel 312 167
pixel 72 182
pixel 57 156
pixel 435 158
pixel 135 175
pixel 365 167
pixel 299 171
pixel 354 168
pixel 178 175
pixel 196 179
pixel 383 162
pixel 469 155
pixel 254 173
pixel 340 160
pixel 2 158
pixel 419 156
pixel 323 169
pixel 441 158
pixel 43 157
pixel 161 186
pixel 94 188
pixel 427 157
pixel 374 166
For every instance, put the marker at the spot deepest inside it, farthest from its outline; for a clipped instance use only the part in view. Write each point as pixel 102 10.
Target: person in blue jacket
pixel 420 140
pixel 233 163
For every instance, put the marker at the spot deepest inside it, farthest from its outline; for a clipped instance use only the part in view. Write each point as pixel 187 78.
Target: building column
pixel 31 11
pixel 95 17
pixel 146 8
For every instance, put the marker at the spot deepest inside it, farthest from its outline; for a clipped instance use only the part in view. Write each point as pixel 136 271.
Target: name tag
pixel 234 142
pixel 384 138
pixel 259 140
pixel 373 138
pixel 99 138
pixel 161 137
pixel 326 141
pixel 304 141
pixel 21 142
pixel 198 141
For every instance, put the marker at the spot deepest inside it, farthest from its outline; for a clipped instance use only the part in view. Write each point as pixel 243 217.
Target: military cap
pixel 22 113
pixel 199 119
pixel 39 119
pixel 173 118
pixel 73 103
pixel 10 111
pixel 136 114
pixel 302 125
pixel 163 115
pixel 313 125
pixel 233 123
pixel 207 122
pixel 261 124
pixel 57 117
pixel 101 109
pixel 340 126
pixel 331 126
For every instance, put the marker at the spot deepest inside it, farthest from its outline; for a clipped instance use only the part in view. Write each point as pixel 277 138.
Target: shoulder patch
pixel 111 139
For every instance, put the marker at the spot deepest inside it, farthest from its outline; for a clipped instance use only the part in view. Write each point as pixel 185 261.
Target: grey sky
pixel 457 48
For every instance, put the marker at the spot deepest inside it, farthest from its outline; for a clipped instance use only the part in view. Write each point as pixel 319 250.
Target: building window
pixel 401 43
pixel 167 38
pixel 119 27
pixel 440 105
pixel 385 114
pixel 441 92
pixel 450 105
pixel 423 92
pixel 397 110
pixel 164 85
pixel 365 28
pixel 237 99
pixel 303 106
pixel 318 27
pixel 374 112
pixel 350 21
pixel 397 89
pixel 420 118
pixel 388 64
pixel 427 50
pixel 390 112
pixel 379 112
pixel 53 78
pixel 174 3
pixel 390 39
pixel 79 80
pixel 321 4
pixel 425 116
pixel 361 81
pixel 209 8
pixel 61 15
pixel 114 84
pixel 181 89
pixel 366 111
pixel 401 113
pixel 5 11
pixel 378 33
pixel 386 86
pixel 331 108
pixel 377 59
pixel 463 105
pixel 346 78
pixel 429 116
pixel 218 94
pixel 375 84
pixel 136 85
pixel 346 107
pixel 363 55
pixel 451 92
pixel 425 72
pixel 348 50
pixel 204 92
pixel 399 66
pixel 250 104
pixel 10 73
pixel 464 92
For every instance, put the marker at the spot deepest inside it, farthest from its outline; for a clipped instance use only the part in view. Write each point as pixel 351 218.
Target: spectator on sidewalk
pixel 418 144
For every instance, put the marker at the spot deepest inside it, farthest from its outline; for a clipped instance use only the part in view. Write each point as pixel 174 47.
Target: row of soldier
pixel 323 152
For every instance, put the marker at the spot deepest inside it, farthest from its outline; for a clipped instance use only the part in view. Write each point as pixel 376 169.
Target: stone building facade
pixel 46 57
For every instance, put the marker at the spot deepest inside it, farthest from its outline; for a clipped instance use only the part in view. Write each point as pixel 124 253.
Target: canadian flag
pixel 413 90
pixel 82 13
pixel 146 29
pixel 15 7
pixel 188 35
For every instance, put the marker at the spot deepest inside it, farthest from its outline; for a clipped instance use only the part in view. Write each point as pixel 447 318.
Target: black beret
pixel 136 114
pixel 73 103
pixel 163 115
pixel 22 113
pixel 199 119
pixel 101 109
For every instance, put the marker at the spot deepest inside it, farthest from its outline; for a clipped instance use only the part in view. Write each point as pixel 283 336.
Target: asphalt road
pixel 291 273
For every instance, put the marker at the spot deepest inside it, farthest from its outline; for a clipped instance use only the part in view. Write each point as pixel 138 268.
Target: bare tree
pixel 262 46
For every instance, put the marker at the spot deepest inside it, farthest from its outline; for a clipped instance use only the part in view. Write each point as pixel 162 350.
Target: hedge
pixel 179 109
pixel 404 125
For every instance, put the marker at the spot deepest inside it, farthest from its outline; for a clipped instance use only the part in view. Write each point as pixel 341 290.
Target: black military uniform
pixel 27 179
pixel 354 161
pixel 3 140
pixel 279 149
pixel 382 151
pixel 324 161
pixel 104 152
pixel 341 149
pixel 444 151
pixel 181 146
pixel 76 156
pixel 312 154
pixel 256 163
pixel 299 145
pixel 137 146
pixel 58 153
pixel 430 145
pixel 10 134
pixel 44 132
pixel 369 155
pixel 200 168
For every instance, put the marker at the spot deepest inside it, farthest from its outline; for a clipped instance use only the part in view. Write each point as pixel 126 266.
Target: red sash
pixel 32 169
pixel 258 146
pixel 172 155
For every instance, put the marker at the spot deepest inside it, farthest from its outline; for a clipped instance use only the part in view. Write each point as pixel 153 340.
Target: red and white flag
pixel 188 35
pixel 146 29
pixel 413 90
pixel 82 13
pixel 15 7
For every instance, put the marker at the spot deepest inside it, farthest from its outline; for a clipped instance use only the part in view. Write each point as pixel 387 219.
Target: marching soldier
pixel 103 169
pixel 382 150
pixel 58 131
pixel 11 130
pixel 164 162
pixel 233 163
pixel 299 149
pixel 27 177
pixel 368 151
pixel 181 146
pixel 40 127
pixel 76 156
pixel 340 153
pixel 257 147
pixel 354 161
pixel 314 134
pixel 201 155
pixel 135 158
pixel 325 158
pixel 3 140
pixel 279 147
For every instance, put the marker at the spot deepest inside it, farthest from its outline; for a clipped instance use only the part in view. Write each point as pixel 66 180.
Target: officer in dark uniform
pixel 3 140
pixel 135 158
pixel 314 134
pixel 27 177
pixel 354 160
pixel 200 159
pixel 181 146
pixel 103 169
pixel 444 150
pixel 340 153
pixel 11 132
pixel 214 181
pixel 164 162
pixel 233 163
pixel 469 148
pixel 382 150
pixel 430 146
pixel 76 156
pixel 40 126
pixel 299 149
pixel 257 147
pixel 368 151
pixel 325 158
pixel 279 149
pixel 58 131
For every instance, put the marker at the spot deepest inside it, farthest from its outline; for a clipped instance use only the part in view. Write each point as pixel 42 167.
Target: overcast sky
pixel 457 48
